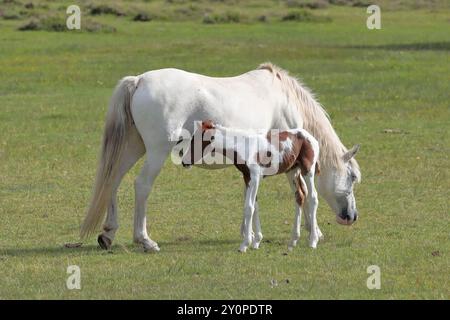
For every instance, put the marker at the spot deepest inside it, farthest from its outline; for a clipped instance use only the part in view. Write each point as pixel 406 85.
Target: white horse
pixel 145 110
pixel 258 155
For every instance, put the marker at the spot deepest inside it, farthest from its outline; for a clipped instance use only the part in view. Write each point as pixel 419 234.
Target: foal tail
pixel 118 122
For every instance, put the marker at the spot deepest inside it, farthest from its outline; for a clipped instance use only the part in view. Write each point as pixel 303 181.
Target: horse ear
pixel 207 124
pixel 351 153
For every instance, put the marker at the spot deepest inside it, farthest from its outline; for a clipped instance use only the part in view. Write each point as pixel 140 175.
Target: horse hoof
pixel 313 244
pixel 104 242
pixel 292 244
pixel 150 246
pixel 153 249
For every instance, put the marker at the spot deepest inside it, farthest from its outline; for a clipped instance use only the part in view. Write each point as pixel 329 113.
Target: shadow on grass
pixel 423 46
pixel 49 251
pixel 169 246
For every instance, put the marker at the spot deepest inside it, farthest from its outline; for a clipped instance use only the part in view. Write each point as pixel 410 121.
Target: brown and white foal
pixel 294 152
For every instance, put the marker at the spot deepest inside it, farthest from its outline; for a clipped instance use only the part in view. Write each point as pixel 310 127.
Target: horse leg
pixel 308 224
pixel 291 176
pixel 311 204
pixel 143 185
pixel 319 233
pixel 249 209
pixel 133 152
pixel 258 236
pixel 306 216
pixel 243 217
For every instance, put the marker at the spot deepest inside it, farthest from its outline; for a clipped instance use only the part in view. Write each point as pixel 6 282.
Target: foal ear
pixel 207 124
pixel 351 153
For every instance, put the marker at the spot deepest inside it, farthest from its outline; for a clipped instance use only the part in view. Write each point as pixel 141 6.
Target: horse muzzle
pixel 346 219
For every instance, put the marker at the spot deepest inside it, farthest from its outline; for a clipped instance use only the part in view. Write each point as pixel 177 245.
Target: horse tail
pixel 118 122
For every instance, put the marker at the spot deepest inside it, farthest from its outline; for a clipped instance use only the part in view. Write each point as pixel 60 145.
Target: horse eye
pixel 212 138
pixel 353 177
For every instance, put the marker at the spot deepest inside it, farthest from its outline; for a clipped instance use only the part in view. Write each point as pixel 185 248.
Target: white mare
pixel 145 110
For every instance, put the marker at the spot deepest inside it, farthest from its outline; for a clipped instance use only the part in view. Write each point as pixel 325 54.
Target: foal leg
pixel 256 223
pixel 143 185
pixel 291 176
pixel 249 208
pixel 133 152
pixel 243 217
pixel 312 202
pixel 257 238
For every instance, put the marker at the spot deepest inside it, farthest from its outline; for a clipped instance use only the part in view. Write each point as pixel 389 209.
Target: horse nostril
pixel 345 216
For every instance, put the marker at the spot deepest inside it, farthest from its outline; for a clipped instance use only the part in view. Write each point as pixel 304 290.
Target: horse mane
pixel 315 120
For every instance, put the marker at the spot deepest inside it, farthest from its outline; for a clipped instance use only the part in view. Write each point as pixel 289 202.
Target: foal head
pixel 336 186
pixel 201 139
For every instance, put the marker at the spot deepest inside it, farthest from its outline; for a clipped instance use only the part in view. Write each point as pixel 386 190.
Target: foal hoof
pixel 292 245
pixel 243 249
pixel 104 242
pixel 255 245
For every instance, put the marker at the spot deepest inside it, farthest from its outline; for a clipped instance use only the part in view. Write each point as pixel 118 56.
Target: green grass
pixel 54 90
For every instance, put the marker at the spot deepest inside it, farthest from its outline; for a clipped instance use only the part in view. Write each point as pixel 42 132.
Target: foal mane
pixel 315 119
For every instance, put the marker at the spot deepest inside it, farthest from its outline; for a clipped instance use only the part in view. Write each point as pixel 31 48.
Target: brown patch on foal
pixel 241 166
pixel 301 191
pixel 302 153
pixel 306 156
pixel 245 173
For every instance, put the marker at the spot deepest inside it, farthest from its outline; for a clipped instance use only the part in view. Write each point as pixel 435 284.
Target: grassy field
pixel 54 90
